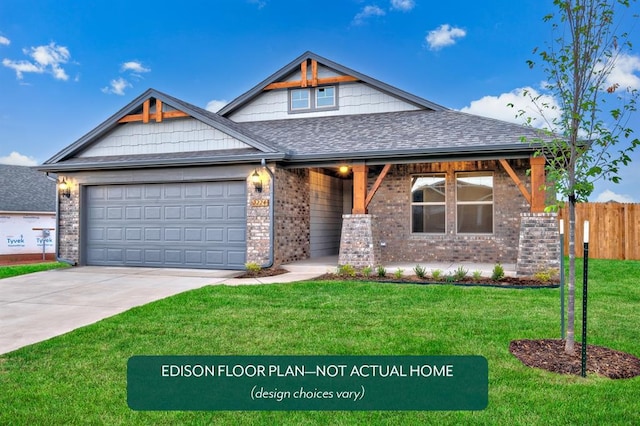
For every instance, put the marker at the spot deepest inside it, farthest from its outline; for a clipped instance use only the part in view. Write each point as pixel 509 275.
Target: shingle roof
pixel 23 189
pixel 392 134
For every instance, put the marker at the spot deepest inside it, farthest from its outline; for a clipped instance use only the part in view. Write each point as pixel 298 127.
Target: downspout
pixel 270 261
pixel 58 258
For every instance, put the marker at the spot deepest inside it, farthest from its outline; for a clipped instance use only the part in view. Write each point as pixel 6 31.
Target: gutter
pixel 58 258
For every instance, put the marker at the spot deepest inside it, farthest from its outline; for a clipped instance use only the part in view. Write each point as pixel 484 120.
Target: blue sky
pixel 66 66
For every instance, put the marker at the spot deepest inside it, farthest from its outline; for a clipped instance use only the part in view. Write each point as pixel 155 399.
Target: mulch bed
pixel 266 272
pixel 549 355
pixel 507 282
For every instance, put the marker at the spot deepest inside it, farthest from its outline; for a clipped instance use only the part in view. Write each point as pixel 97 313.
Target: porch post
pixel 359 188
pixel 538 181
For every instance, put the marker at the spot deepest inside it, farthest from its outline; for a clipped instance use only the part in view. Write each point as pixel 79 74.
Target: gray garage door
pixel 173 225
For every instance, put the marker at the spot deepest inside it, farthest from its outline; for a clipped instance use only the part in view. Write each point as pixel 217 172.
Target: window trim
pixel 476 203
pixel 313 99
pixel 412 203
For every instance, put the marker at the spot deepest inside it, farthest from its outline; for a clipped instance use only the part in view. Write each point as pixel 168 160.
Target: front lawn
pixel 15 270
pixel 81 377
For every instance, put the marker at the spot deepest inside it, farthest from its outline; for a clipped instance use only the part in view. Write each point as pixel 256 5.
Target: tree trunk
pixel 570 340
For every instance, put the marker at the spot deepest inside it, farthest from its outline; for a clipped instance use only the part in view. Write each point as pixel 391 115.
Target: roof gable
pixel 306 66
pixel 156 107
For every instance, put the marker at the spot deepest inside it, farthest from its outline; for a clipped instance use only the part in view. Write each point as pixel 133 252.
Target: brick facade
pixel 292 215
pixel 360 243
pixel 539 247
pixel 69 224
pixel 392 206
pixel 259 220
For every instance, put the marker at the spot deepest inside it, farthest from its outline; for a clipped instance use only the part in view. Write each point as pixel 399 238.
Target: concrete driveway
pixel 36 307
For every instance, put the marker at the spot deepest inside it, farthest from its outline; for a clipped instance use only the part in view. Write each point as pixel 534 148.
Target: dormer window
pixel 313 99
pixel 300 99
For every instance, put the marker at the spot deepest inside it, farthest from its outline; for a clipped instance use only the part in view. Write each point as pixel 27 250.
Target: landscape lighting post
pixel 585 271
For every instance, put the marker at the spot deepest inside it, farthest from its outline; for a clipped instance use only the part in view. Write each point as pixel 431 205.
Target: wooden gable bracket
pixel 146 115
pixel 537 197
pixel 315 80
pixel 362 197
pixel 516 179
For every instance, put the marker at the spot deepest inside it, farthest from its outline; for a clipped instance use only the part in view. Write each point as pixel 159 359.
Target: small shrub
pixel 477 275
pixel 253 267
pixel 436 274
pixel 381 271
pixel 398 273
pixel 498 272
pixel 450 278
pixel 420 271
pixel 347 270
pixel 366 271
pixel 460 273
pixel 545 275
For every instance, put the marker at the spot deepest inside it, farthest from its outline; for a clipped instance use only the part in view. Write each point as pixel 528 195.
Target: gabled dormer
pixel 313 86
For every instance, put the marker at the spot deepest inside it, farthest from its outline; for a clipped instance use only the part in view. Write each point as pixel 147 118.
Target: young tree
pixel 589 136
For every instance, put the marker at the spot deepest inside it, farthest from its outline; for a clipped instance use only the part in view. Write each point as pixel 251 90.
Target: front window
pixel 428 204
pixel 474 203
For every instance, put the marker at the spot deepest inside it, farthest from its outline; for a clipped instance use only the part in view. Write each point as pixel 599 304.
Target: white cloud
pixel 17 159
pixel 367 12
pixel 46 59
pixel 498 107
pixel 117 87
pixel 4 41
pixel 624 73
pixel 403 5
pixel 215 105
pixel 443 36
pixel 609 195
pixel 134 66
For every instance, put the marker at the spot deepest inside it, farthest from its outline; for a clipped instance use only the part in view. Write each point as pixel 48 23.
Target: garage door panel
pixel 173 225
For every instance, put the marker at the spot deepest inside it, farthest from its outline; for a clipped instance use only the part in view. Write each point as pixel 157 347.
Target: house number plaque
pixel 260 203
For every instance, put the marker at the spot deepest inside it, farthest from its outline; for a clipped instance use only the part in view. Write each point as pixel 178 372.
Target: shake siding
pixel 326 214
pixel 354 98
pixel 172 135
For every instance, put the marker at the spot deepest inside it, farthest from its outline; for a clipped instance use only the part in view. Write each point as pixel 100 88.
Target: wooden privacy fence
pixel 614 230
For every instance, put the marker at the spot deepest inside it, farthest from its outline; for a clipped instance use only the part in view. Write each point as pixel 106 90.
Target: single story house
pixel 317 159
pixel 27 214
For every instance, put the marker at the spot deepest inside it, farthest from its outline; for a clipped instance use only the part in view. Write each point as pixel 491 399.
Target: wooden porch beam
pixel 538 183
pixel 359 189
pixel 516 179
pixel 377 184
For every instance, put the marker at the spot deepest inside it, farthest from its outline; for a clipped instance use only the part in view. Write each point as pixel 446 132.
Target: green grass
pixel 80 377
pixel 15 270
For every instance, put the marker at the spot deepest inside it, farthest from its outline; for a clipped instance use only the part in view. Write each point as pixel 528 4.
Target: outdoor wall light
pixel 64 189
pixel 257 182
pixel 344 169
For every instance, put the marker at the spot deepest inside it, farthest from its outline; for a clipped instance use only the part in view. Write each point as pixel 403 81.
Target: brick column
pixel 359 241
pixel 539 246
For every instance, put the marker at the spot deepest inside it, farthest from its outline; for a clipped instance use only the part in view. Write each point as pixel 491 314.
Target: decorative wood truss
pixel 157 116
pixel 313 82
